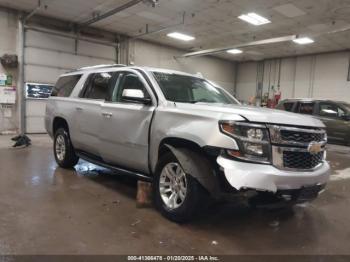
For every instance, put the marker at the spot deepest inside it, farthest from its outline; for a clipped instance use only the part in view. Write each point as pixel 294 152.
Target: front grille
pixel 301 137
pixel 301 160
pixel 291 147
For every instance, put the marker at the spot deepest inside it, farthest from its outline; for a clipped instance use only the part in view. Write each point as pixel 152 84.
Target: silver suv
pixel 187 135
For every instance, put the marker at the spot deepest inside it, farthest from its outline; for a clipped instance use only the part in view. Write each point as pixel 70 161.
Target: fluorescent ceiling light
pixel 303 41
pixel 180 36
pixel 254 19
pixel 234 51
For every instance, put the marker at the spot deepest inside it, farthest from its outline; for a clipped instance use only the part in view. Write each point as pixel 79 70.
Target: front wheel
pixel 63 149
pixel 178 195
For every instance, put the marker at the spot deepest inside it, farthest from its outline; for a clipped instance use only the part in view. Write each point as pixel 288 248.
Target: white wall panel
pixel 330 74
pixel 34 107
pixel 322 76
pixel 35 113
pixel 246 81
pixel 287 77
pixel 61 60
pixel 92 49
pixel 40 74
pixel 303 79
pixel 44 40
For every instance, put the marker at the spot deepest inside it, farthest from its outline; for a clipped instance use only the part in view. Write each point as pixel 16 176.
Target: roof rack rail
pixel 100 66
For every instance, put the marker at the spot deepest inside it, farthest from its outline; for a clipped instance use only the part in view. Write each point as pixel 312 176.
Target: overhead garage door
pixel 46 57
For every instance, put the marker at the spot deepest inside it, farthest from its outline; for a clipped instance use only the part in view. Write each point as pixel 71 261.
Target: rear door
pixel 88 111
pixel 124 133
pixel 332 116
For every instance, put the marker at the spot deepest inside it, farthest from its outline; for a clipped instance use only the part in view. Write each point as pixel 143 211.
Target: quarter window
pixel 65 85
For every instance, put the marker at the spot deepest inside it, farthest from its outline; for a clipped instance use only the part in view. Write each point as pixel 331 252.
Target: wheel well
pixel 59 122
pixel 178 143
pixel 207 152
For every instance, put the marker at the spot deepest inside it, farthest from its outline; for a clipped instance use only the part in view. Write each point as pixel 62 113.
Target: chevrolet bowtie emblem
pixel 314 148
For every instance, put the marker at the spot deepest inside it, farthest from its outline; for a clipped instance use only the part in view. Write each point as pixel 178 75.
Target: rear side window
pixel 287 106
pixel 97 86
pixel 65 85
pixel 306 108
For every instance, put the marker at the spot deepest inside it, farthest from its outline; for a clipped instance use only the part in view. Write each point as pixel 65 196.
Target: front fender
pixel 195 126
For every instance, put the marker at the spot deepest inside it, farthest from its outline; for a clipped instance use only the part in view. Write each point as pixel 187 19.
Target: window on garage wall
pixel 38 91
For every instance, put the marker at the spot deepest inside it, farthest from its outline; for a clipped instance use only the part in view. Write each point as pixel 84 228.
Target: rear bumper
pixel 242 175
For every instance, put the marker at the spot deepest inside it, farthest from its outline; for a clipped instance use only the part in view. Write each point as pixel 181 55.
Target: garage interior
pixel 90 210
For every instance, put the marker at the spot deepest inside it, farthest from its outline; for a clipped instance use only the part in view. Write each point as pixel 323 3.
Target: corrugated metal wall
pixel 46 57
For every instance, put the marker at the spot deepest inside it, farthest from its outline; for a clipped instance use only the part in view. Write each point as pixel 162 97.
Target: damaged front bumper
pixel 267 178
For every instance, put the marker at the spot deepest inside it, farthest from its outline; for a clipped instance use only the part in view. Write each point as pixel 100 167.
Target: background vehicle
pixel 334 114
pixel 189 137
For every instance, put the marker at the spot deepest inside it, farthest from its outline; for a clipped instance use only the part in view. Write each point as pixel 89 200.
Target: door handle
pixel 107 115
pixel 79 109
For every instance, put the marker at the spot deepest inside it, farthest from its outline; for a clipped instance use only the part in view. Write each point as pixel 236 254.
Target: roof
pixel 310 100
pixel 146 68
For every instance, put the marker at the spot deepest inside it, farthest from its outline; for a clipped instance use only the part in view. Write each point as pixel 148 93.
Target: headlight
pixel 253 140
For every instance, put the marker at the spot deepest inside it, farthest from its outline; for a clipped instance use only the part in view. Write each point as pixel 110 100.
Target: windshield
pixel 188 89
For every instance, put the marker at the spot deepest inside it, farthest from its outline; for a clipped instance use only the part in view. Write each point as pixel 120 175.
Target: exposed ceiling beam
pixel 261 42
pixel 33 12
pixel 109 13
pixel 254 43
pixel 160 29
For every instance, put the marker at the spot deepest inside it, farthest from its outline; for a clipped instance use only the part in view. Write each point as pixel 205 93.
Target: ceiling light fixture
pixel 254 19
pixel 234 51
pixel 303 41
pixel 180 36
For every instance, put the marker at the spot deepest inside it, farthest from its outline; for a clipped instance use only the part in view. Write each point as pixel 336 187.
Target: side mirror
pixel 135 96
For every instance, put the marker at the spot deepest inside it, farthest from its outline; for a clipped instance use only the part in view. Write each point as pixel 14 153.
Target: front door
pixel 124 134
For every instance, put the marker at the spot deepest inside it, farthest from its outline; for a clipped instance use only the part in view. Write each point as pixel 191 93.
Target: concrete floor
pixel 49 210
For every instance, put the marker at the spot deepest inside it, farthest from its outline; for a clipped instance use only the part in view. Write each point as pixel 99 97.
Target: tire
pixel 63 150
pixel 186 206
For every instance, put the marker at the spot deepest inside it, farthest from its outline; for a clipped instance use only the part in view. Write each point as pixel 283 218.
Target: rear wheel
pixel 178 195
pixel 63 150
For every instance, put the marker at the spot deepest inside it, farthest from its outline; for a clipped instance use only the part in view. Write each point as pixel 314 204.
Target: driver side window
pixel 128 81
pixel 331 110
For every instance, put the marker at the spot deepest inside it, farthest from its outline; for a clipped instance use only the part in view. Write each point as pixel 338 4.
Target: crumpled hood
pixel 256 114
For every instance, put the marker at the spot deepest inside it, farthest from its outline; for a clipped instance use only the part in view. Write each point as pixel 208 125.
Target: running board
pixel 123 171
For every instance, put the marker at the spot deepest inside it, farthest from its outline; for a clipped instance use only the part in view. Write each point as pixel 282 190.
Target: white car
pixel 186 135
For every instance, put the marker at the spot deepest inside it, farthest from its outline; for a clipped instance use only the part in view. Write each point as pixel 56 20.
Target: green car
pixel 334 114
